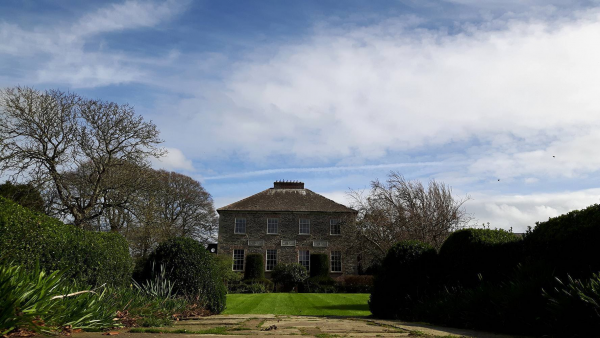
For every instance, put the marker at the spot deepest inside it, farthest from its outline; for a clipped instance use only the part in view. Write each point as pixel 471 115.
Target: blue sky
pixel 338 93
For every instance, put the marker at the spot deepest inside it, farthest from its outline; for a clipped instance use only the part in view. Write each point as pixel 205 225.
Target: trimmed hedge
pixel 192 269
pixel 319 265
pixel 28 238
pixel 407 273
pixel 255 267
pixel 568 243
pixel 471 255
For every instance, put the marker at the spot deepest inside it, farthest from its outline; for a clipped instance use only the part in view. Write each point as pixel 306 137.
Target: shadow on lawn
pixel 345 307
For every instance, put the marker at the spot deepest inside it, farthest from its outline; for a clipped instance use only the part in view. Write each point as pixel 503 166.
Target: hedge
pixel 28 238
pixel 192 269
pixel 568 244
pixel 255 267
pixel 471 255
pixel 407 274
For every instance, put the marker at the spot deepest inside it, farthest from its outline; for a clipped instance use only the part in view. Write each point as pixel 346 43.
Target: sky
pixel 497 99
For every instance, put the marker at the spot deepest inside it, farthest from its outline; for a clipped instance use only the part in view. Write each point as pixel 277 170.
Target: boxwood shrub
pixel 255 267
pixel 192 269
pixel 471 255
pixel 406 275
pixel 28 238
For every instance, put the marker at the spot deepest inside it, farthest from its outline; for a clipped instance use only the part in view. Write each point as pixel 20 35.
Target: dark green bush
pixel 28 238
pixel 318 284
pixel 319 265
pixel 355 284
pixel 255 267
pixel 24 194
pixel 289 275
pixel 192 270
pixel 257 285
pixel 407 275
pixel 471 255
pixel 568 243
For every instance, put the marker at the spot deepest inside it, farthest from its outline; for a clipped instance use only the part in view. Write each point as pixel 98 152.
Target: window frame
pixel 300 226
pixel 307 259
pixel 235 225
pixel 339 253
pixel 276 226
pixel 243 259
pixel 337 224
pixel 267 259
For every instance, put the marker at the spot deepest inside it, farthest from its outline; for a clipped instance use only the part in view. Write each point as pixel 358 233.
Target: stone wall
pixel 288 229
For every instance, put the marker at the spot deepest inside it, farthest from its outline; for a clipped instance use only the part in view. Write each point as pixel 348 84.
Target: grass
pixel 300 304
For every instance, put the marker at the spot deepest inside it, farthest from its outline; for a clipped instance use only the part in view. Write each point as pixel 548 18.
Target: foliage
pixel 407 274
pixel 398 210
pixel 257 285
pixel 577 301
pixel 39 301
pixel 24 194
pixel 289 275
pixel 192 270
pixel 568 243
pixel 28 238
pixel 167 205
pixel 355 284
pixel 470 255
pixel 318 284
pixel 77 145
pixel 224 264
pixel 255 267
pixel 319 265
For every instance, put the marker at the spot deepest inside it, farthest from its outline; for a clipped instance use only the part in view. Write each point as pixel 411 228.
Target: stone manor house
pixel 286 224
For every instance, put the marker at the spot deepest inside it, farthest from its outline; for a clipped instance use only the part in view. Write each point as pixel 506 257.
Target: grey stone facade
pixel 287 241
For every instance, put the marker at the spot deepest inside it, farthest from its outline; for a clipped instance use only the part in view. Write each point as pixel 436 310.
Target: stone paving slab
pixel 241 326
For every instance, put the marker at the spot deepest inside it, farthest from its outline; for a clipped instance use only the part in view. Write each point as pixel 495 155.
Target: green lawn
pixel 309 304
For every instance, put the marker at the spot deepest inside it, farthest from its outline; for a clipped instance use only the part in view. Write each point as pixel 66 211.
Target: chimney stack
pixel 288 185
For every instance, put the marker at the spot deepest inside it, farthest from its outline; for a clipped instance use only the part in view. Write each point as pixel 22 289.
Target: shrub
pixel 191 269
pixel 406 276
pixel 470 255
pixel 289 275
pixel 255 267
pixel 251 285
pixel 29 297
pixel 355 283
pixel 576 301
pixel 318 284
pixel 28 238
pixel 319 265
pixel 568 243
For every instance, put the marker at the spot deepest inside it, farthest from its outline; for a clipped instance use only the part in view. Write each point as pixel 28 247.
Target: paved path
pixel 273 326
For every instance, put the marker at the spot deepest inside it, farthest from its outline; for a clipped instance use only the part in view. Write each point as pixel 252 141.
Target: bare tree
pixel 72 143
pixel 398 209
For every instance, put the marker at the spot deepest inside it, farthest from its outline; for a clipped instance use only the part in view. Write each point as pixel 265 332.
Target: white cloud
pixel 520 211
pixel 62 53
pixel 174 160
pixel 524 91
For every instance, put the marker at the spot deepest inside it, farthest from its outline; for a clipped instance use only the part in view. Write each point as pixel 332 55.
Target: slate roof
pixel 287 200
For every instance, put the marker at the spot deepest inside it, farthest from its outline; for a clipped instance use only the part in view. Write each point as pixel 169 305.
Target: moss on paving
pixel 300 304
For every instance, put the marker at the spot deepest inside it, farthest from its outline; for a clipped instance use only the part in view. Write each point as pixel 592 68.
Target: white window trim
pixel 308 258
pixel 267 259
pixel 338 223
pixel 243 259
pixel 300 226
pixel 235 226
pixel 330 261
pixel 272 233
